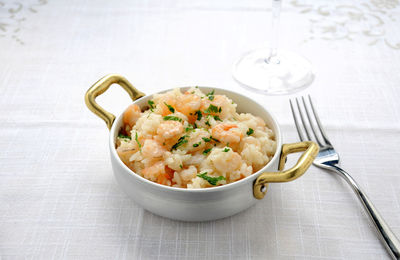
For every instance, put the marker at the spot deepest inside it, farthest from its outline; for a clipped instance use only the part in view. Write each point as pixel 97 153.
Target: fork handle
pixel 387 236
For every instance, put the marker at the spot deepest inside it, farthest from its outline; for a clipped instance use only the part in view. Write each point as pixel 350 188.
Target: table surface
pixel 58 196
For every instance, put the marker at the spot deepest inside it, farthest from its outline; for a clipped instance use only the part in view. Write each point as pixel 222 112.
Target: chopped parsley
pixel 172 118
pixel 195 126
pixel 215 140
pixel 124 136
pixel 206 139
pixel 212 109
pixel 217 118
pixel 197 144
pixel 211 180
pixel 206 151
pixel 180 165
pixel 210 95
pixel 250 131
pixel 189 128
pixel 226 150
pixel 180 142
pixel 208 123
pixel 151 104
pixel 199 115
pixel 220 109
pixel 137 141
pixel 170 108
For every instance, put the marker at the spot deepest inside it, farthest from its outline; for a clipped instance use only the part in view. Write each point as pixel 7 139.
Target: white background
pixel 58 197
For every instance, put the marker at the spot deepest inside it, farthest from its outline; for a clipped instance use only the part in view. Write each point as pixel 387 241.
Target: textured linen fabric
pixel 58 196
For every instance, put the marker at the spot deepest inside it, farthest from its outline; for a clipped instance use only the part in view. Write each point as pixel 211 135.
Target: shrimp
pixel 152 149
pixel 188 104
pixel 152 172
pixel 225 161
pixel 227 133
pixel 158 172
pixel 167 104
pixel 131 115
pixel 169 129
pixel 196 141
pixel 225 107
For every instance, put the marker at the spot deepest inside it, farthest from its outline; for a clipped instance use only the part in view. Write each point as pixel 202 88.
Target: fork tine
pixel 296 122
pixel 324 136
pixel 303 120
pixel 317 138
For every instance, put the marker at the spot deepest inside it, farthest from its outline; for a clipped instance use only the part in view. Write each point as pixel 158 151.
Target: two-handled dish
pixel 207 203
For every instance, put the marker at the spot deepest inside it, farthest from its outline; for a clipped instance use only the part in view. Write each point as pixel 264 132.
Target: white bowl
pixel 199 204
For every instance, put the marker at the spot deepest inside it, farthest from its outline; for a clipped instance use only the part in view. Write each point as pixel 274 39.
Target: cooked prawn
pixel 196 141
pixel 227 133
pixel 166 103
pixel 152 149
pixel 224 105
pixel 152 172
pixel 225 161
pixel 169 129
pixel 131 115
pixel 188 104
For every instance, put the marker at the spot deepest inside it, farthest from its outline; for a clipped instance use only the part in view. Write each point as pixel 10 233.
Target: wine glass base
pixel 290 74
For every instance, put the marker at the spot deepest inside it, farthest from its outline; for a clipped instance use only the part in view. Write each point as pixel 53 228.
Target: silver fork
pixel 328 159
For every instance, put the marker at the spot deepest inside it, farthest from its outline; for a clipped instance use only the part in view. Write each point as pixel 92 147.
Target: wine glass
pixel 272 71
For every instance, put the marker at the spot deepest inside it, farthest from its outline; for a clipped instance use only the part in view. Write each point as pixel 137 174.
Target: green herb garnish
pixel 180 142
pixel 137 141
pixel 211 180
pixel 199 115
pixel 226 150
pixel 196 145
pixel 124 136
pixel 180 165
pixel 206 151
pixel 172 118
pixel 170 108
pixel 151 104
pixel 208 123
pixel 215 140
pixel 212 109
pixel 220 109
pixel 189 128
pixel 210 93
pixel 250 131
pixel 195 126
pixel 206 139
pixel 217 118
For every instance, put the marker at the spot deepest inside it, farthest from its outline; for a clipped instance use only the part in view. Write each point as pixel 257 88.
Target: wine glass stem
pixel 276 11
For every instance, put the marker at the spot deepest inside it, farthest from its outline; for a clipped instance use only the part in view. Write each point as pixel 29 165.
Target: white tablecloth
pixel 58 197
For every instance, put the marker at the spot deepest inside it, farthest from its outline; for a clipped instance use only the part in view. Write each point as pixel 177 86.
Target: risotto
pixel 193 140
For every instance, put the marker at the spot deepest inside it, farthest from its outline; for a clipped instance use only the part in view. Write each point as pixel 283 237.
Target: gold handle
pixel 311 150
pixel 100 87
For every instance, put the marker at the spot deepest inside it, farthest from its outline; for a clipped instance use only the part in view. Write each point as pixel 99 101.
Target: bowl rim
pixel 274 122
